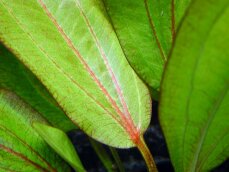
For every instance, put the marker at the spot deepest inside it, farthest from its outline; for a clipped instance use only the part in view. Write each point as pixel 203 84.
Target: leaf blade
pixel 196 109
pixel 20 145
pixel 146 34
pixel 96 86
pixel 58 140
pixel 17 78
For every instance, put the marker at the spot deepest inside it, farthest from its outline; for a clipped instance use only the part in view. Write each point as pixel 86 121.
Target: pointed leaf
pixel 71 47
pixel 21 148
pixel 60 142
pixel 17 78
pixel 146 30
pixel 194 101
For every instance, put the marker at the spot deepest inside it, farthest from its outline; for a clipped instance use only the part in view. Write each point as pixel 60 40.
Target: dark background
pixel 131 158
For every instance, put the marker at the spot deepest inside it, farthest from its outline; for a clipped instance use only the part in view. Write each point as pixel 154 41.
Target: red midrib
pixel 21 156
pixel 88 94
pixel 127 122
pixel 29 147
pixel 154 30
pixel 69 77
pixel 117 86
pixel 173 20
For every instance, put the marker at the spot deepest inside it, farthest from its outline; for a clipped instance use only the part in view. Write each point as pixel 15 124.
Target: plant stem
pixel 117 159
pixel 102 154
pixel 147 155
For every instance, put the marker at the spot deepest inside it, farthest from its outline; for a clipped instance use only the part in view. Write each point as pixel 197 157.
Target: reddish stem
pixel 147 155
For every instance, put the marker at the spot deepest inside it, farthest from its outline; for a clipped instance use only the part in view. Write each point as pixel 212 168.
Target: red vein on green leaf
pixel 112 24
pixel 173 20
pixel 76 83
pixel 59 68
pixel 21 156
pixel 154 30
pixel 50 168
pixel 118 89
pixel 134 133
pixel 113 77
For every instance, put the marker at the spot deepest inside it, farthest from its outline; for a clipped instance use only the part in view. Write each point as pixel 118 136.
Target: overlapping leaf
pixel 21 148
pixel 71 47
pixel 59 141
pixel 15 77
pixel 146 30
pixel 194 102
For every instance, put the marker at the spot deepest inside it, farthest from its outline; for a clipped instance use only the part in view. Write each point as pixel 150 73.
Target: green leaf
pixel 21 148
pixel 72 49
pixel 60 142
pixel 146 30
pixel 194 101
pixel 16 77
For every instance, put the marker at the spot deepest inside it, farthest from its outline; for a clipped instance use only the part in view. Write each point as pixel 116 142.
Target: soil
pixel 131 158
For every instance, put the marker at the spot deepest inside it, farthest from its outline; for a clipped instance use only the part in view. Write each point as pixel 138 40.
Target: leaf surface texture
pixel 72 48
pixel 146 30
pixel 21 148
pixel 16 77
pixel 60 142
pixel 194 101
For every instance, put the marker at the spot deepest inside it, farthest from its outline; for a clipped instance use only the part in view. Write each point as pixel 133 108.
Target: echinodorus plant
pixel 82 66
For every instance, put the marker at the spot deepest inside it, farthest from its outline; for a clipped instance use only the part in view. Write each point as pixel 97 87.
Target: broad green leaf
pixel 15 77
pixel 146 30
pixel 72 49
pixel 194 102
pixel 60 142
pixel 21 148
